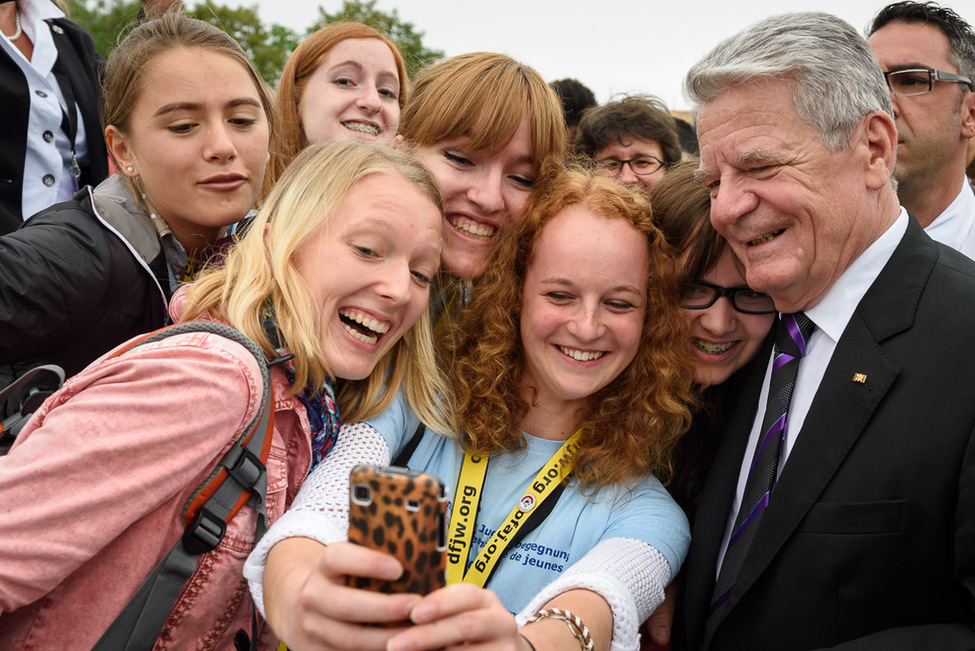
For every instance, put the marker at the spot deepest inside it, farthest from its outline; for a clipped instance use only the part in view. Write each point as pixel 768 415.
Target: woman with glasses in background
pixel 633 139
pixel 729 321
pixel 729 324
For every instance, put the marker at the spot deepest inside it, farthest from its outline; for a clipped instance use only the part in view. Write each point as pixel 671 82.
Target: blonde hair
pixel 635 422
pixel 484 97
pixel 260 271
pixel 302 63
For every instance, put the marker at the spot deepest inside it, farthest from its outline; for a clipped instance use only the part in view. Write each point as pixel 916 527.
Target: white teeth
pixel 367 322
pixel 368 339
pixel 479 230
pixel 359 127
pixel 580 355
pixel 714 349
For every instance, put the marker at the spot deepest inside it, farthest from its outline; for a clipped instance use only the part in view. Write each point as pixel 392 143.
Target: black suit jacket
pixel 869 538
pixel 78 65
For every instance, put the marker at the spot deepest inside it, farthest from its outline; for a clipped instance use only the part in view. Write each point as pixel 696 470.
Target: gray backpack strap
pixel 23 396
pixel 239 478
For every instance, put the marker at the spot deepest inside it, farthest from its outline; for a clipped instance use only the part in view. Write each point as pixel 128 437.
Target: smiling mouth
pixel 363 128
pixel 581 355
pixel 362 326
pixel 768 237
pixel 469 226
pixel 714 349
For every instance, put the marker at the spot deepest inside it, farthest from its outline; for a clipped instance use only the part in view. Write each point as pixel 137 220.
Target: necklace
pixel 19 30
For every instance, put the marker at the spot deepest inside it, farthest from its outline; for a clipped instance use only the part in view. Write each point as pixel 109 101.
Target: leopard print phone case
pixel 401 512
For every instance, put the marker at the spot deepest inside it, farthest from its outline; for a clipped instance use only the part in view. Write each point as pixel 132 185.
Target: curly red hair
pixel 634 423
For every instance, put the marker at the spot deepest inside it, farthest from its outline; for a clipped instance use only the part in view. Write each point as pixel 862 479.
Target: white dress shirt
pixel 956 225
pixel 831 316
pixel 47 166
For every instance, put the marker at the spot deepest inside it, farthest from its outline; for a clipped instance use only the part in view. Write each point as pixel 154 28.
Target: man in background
pixel 927 53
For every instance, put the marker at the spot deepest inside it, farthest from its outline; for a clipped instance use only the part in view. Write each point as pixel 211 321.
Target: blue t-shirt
pixel 641 510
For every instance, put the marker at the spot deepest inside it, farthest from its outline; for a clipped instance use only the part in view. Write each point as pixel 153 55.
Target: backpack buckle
pixel 247 469
pixel 204 532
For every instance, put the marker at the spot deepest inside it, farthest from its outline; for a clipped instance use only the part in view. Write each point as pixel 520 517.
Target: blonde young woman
pixel 572 346
pixel 335 271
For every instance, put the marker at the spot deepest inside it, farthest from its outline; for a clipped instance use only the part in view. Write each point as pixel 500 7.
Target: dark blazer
pixel 869 538
pixel 78 65
pixel 73 286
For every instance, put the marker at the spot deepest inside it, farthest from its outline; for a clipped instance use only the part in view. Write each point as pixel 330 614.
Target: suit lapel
pixel 840 411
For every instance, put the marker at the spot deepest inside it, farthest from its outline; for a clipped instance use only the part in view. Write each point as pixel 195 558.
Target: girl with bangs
pixel 486 126
pixel 571 355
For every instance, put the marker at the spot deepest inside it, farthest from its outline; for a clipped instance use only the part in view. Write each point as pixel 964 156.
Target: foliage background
pixel 268 46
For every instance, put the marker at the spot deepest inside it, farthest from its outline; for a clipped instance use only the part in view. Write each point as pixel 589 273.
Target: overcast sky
pixel 612 46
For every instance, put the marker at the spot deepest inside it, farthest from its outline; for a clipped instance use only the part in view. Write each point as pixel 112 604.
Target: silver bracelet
pixel 579 630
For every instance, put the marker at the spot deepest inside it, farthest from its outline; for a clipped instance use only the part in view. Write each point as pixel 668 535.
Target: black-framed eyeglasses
pixel 918 81
pixel 701 296
pixel 641 166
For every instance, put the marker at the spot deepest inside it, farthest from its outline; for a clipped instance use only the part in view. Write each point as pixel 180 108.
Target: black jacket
pixel 74 282
pixel 868 541
pixel 79 66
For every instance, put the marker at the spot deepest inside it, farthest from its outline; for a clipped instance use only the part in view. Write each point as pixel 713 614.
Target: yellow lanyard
pixel 464 513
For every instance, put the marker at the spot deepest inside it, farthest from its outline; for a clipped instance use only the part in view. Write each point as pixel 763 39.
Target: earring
pixel 129 169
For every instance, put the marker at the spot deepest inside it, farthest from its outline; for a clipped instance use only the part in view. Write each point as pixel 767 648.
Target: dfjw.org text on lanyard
pixel 464 513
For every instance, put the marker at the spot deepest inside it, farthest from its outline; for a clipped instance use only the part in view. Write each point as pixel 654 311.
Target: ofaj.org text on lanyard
pixel 464 512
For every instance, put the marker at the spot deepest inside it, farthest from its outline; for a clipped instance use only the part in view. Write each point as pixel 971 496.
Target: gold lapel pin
pixel 860 378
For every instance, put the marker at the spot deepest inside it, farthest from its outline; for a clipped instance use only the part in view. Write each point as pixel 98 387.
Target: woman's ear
pixel 119 150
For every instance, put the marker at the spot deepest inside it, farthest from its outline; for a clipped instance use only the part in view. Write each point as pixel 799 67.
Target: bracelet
pixel 528 642
pixel 579 630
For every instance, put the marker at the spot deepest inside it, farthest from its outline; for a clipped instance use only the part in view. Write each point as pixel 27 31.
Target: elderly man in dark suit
pixel 841 509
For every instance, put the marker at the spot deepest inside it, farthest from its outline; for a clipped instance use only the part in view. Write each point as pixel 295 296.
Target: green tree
pixel 404 34
pixel 267 46
pixel 106 20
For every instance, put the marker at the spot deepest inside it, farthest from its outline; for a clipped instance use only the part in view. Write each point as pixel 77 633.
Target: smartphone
pixel 403 513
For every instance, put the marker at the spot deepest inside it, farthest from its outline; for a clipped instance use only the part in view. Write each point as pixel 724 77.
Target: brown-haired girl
pixel 486 126
pixel 346 81
pixel 187 120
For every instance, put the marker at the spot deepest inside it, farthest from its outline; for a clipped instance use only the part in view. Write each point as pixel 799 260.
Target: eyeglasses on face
pixel 640 166
pixel 701 296
pixel 918 81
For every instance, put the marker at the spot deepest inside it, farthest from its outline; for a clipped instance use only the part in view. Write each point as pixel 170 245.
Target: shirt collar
pixel 952 225
pixel 32 16
pixel 834 311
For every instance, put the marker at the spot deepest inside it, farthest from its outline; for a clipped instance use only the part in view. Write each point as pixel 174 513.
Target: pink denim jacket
pixel 92 494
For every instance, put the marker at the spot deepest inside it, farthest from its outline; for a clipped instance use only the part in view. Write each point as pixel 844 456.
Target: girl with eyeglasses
pixel 729 322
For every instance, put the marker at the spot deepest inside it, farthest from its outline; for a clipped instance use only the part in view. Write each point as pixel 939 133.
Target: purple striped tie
pixel 791 337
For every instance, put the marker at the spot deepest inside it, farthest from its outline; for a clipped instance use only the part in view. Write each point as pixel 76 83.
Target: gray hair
pixel 835 76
